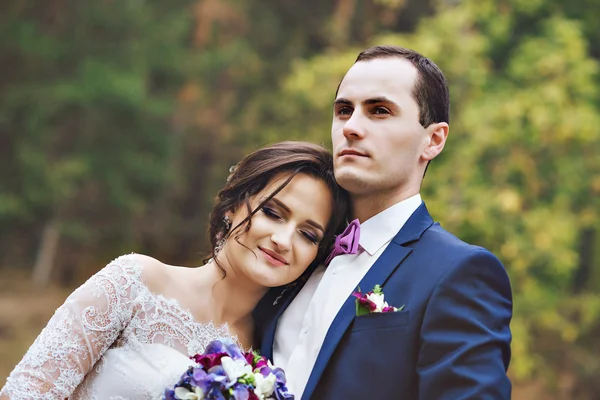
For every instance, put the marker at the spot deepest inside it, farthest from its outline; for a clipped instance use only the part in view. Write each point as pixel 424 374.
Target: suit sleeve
pixel 465 337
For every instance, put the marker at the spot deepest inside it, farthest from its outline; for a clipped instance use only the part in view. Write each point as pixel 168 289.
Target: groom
pixel 451 337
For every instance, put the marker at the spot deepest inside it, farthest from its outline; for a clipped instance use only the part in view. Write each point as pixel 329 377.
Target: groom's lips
pixel 351 152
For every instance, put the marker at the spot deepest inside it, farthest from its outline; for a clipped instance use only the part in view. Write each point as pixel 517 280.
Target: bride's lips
pixel 273 258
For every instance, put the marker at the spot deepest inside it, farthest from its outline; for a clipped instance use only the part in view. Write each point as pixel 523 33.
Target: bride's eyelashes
pixel 271 213
pixel 310 237
pixel 274 215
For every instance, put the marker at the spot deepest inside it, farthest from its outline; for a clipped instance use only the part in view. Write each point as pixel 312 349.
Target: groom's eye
pixel 381 111
pixel 345 111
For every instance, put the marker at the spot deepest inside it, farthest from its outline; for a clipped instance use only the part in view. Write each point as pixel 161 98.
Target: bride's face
pixel 284 235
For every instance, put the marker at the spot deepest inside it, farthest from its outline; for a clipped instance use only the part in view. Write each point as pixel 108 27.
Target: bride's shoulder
pixel 155 274
pixel 150 272
pixel 144 268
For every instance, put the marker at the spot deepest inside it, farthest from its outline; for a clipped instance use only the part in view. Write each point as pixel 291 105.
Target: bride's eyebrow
pixel 315 225
pixel 281 204
pixel 287 209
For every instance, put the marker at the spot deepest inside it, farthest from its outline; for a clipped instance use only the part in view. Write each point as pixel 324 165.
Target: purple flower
pixel 200 379
pixel 169 394
pixel 215 347
pixel 281 393
pixel 227 346
pixel 364 301
pixel 218 381
pixel 217 374
pixel 280 376
pixel 234 351
pixel 207 361
pixel 199 374
pixel 263 367
pixel 215 393
pixel 241 392
pixel 261 363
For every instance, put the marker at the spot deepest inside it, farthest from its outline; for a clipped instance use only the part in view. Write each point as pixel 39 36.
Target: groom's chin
pixel 351 178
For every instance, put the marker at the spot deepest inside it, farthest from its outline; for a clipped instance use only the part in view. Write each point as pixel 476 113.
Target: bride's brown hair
pixel 253 173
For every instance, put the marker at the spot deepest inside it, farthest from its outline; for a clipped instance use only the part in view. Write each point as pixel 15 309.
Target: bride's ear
pixel 228 220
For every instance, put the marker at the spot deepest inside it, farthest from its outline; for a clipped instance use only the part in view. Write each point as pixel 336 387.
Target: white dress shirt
pixel 302 328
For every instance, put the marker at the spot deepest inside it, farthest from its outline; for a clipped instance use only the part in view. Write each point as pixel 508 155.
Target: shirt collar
pixel 380 229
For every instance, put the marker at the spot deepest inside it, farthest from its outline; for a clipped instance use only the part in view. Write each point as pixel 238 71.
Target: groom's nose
pixel 354 128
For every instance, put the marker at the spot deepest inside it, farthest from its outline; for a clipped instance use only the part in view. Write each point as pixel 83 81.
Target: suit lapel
pixel 378 274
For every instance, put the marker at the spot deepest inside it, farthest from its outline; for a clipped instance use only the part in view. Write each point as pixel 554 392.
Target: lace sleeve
pixel 77 335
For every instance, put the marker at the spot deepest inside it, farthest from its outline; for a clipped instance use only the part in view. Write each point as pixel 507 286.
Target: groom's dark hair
pixel 431 89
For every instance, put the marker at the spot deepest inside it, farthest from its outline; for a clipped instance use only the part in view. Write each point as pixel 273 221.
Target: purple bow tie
pixel 347 242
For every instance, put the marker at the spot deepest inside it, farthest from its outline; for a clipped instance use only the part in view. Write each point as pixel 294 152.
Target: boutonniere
pixel 372 302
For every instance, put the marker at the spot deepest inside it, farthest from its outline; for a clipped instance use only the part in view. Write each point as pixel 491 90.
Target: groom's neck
pixel 367 205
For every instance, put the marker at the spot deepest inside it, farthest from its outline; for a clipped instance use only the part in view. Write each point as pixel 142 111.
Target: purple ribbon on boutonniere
pixel 346 242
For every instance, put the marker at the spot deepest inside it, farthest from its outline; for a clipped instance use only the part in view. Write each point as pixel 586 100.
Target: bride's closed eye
pixel 310 237
pixel 274 215
pixel 271 213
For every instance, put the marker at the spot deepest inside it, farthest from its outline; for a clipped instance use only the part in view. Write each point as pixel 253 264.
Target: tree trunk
pixel 44 263
pixel 583 274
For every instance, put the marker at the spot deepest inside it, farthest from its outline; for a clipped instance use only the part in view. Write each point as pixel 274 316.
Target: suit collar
pixel 414 228
pixel 378 230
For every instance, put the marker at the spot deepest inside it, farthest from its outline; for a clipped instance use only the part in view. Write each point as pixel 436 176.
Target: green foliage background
pixel 119 121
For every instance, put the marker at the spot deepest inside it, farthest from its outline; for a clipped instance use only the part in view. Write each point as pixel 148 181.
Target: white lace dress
pixel 112 339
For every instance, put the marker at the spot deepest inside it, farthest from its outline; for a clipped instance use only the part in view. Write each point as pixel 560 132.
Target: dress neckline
pixel 174 305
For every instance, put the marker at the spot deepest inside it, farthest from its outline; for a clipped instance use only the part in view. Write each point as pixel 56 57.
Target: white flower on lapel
pixel 378 300
pixel 372 302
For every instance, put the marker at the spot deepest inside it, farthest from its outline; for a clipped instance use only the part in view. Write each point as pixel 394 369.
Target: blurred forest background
pixel 119 121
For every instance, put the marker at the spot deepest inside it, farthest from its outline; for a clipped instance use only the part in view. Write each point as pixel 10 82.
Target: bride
pixel 128 331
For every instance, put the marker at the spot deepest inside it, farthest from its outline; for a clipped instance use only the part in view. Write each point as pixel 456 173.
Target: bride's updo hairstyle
pixel 255 171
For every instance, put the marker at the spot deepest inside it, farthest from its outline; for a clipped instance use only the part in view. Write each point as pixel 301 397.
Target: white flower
pixel 235 368
pixel 184 394
pixel 264 386
pixel 378 300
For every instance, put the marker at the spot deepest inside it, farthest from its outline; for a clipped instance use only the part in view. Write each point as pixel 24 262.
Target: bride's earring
pixel 221 242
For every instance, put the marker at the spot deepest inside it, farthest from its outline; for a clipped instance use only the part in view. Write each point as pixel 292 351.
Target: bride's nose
pixel 282 237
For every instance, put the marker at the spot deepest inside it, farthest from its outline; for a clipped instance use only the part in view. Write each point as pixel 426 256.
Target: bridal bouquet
pixel 224 372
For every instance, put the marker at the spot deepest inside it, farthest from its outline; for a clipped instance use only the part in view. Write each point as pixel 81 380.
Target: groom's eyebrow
pixel 287 209
pixel 342 101
pixel 367 102
pixel 377 100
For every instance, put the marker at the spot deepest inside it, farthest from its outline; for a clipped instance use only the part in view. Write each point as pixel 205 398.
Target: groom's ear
pixel 436 136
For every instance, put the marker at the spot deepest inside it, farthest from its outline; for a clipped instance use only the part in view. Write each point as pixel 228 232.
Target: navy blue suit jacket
pixel 451 341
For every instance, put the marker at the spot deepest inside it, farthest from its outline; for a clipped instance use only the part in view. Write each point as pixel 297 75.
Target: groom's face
pixel 377 138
